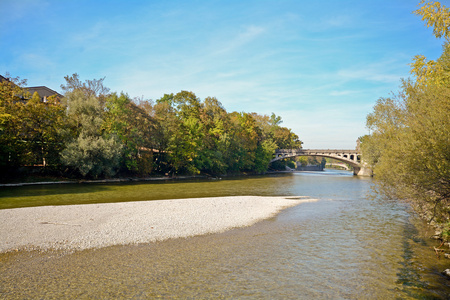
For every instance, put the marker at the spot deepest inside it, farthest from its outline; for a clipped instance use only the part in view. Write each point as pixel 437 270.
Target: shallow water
pixel 345 246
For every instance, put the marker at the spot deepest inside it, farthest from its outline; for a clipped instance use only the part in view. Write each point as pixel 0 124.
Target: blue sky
pixel 320 65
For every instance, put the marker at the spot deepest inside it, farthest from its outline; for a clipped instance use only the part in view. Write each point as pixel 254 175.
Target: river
pixel 347 245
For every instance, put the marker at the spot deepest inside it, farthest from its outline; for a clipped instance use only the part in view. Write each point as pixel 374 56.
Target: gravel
pixel 78 227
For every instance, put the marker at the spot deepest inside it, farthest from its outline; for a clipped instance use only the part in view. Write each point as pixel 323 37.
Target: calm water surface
pixel 345 246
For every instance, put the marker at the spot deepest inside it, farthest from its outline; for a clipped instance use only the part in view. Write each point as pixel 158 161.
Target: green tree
pixel 134 127
pixel 197 136
pixel 216 123
pixel 42 130
pixel 11 109
pixel 186 142
pixel 30 130
pixel 167 124
pixel 89 151
pixel 409 144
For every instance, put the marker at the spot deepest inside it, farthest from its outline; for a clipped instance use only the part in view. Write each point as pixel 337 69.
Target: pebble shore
pixel 79 227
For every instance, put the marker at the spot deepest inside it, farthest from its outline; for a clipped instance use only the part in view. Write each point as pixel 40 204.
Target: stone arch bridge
pixel 351 157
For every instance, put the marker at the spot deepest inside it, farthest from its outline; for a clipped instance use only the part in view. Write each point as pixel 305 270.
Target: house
pixel 43 91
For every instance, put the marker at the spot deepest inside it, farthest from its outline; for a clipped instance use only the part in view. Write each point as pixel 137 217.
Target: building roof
pixel 43 91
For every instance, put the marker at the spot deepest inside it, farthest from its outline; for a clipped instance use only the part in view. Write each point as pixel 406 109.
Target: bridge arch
pixel 341 165
pixel 351 157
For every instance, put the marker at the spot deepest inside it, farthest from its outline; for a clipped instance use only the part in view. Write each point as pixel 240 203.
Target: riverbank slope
pixel 78 227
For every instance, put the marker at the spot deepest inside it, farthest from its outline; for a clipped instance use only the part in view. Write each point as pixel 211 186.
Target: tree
pixel 98 133
pixel 426 71
pixel 11 108
pixel 11 92
pixel 29 128
pixel 182 131
pixel 437 16
pixel 92 87
pixel 216 124
pixel 134 127
pixel 167 124
pixel 409 144
pixel 42 130
pixel 89 151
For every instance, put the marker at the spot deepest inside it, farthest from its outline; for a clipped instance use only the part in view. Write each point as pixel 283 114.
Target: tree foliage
pixel 201 137
pixel 409 144
pixel 90 150
pixel 134 127
pixel 97 133
pixel 436 16
pixel 92 87
pixel 29 128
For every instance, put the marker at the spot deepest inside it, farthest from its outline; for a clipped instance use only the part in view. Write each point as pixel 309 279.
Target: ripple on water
pixel 344 246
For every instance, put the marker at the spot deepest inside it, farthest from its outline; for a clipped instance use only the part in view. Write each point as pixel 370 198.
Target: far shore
pixel 107 180
pixel 79 227
pixel 143 179
pixel 135 179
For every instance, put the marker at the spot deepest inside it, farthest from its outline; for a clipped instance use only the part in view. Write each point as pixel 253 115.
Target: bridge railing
pixel 353 156
pixel 315 151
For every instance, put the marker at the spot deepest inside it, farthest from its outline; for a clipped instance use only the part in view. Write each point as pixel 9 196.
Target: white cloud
pixel 36 61
pixel 336 21
pixel 382 71
pixel 93 35
pixel 248 34
pixel 368 75
pixel 343 92
pixel 326 128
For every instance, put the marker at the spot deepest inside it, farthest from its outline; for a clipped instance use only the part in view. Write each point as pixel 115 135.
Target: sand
pixel 78 227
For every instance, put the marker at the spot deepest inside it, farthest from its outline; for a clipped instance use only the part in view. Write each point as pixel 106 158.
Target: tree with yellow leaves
pixel 409 144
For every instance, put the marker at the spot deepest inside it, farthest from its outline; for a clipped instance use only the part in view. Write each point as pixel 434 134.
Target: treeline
pixel 93 133
pixel 409 144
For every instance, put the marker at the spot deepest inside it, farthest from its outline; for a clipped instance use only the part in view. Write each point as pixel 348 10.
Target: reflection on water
pixel 64 194
pixel 344 246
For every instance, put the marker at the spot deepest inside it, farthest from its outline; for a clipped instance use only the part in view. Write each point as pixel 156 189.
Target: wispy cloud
pixel 343 92
pixel 92 35
pixel 369 75
pixel 37 61
pixel 245 36
pixel 320 65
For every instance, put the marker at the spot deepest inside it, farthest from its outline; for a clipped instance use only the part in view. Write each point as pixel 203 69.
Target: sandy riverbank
pixel 78 227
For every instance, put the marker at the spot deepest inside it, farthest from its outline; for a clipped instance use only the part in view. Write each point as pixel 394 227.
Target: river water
pixel 347 245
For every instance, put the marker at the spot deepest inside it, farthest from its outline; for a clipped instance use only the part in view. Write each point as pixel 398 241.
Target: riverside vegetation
pixel 92 133
pixel 409 144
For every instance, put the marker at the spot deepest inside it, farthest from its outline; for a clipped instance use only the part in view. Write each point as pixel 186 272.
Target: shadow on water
pixel 408 275
pixel 420 275
pixel 49 189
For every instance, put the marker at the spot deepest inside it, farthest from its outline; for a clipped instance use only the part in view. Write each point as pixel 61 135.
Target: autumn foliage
pixel 409 144
pixel 93 133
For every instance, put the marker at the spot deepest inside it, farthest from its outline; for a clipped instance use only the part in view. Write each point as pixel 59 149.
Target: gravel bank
pixel 78 227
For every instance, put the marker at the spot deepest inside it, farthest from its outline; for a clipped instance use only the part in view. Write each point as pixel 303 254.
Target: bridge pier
pixel 362 171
